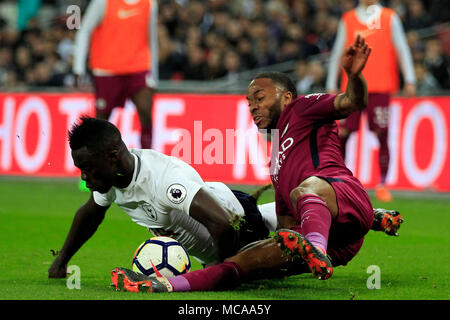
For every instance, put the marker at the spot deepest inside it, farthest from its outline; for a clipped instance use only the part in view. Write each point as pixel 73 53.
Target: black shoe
pixel 388 221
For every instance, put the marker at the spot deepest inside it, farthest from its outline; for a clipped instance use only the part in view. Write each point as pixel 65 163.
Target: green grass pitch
pixel 35 216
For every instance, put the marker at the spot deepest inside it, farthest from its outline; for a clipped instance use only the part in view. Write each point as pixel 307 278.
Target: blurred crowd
pixel 218 39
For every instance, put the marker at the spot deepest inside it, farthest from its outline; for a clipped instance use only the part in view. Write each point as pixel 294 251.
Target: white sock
pixel 269 215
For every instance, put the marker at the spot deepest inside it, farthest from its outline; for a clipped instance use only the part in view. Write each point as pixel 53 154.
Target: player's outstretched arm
pixel 86 221
pixel 218 220
pixel 356 95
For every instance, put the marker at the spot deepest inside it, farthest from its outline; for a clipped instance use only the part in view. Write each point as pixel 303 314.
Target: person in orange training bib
pixel 383 31
pixel 120 37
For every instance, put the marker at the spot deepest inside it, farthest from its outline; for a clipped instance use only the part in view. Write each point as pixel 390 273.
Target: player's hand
pixel 57 269
pixel 332 91
pixel 409 90
pixel 355 56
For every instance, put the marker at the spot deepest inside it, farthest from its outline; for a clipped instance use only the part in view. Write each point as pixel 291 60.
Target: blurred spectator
pixel 416 45
pixel 301 11
pixel 436 62
pixel 27 9
pixel 244 48
pixel 426 83
pixel 322 31
pixel 296 33
pixel 289 50
pixel 46 77
pixel 194 68
pixel 214 66
pixel 277 18
pixel 6 57
pixel 193 37
pixel 232 62
pixel 300 75
pixel 311 76
pixel 439 11
pixel 416 16
pixel 261 32
pixel 10 79
pixel 170 56
pixel 234 32
pixel 264 56
pixel 23 61
pixel 400 7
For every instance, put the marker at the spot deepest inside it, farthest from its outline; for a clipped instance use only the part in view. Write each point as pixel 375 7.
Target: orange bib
pixel 120 43
pixel 381 70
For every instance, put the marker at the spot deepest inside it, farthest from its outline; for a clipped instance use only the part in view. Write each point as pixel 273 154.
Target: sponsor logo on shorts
pixel 176 193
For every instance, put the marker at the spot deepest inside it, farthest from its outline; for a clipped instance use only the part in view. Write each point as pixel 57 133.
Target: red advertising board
pixel 215 134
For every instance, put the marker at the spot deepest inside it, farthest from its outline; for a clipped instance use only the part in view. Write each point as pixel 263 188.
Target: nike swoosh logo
pixel 158 274
pixel 364 33
pixel 125 14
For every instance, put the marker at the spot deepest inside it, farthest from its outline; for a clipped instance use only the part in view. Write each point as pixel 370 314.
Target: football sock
pixel 315 220
pixel 180 283
pixel 383 156
pixel 269 215
pixel 146 136
pixel 223 276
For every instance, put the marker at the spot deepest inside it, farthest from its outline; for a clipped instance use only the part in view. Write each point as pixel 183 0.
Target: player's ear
pixel 287 96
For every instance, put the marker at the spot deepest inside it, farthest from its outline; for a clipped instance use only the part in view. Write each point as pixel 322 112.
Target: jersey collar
pixel 137 170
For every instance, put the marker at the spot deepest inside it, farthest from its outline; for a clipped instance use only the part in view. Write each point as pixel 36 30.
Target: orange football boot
pixel 297 246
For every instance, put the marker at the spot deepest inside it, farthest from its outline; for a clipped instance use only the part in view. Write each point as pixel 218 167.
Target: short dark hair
pixel 95 134
pixel 281 79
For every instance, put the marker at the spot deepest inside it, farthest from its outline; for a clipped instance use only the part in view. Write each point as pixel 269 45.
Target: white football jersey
pixel 160 195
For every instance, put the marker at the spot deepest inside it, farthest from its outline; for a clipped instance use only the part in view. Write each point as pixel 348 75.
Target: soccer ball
pixel 161 256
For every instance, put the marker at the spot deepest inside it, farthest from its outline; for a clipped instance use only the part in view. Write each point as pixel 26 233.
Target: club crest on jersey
pixel 176 193
pixel 150 211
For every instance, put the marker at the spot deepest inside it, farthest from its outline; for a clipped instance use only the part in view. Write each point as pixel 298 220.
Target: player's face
pixel 264 100
pixel 95 170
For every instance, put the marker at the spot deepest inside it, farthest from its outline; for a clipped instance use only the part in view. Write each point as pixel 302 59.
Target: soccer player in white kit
pixel 159 198
pixel 161 193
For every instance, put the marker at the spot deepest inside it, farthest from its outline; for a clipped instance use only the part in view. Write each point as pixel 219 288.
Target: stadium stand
pixel 224 42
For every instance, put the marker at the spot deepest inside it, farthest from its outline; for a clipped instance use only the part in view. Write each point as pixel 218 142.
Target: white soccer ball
pixel 161 256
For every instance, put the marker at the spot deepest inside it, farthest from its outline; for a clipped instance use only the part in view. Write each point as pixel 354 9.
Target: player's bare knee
pixel 294 195
pixel 312 186
pixel 298 192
